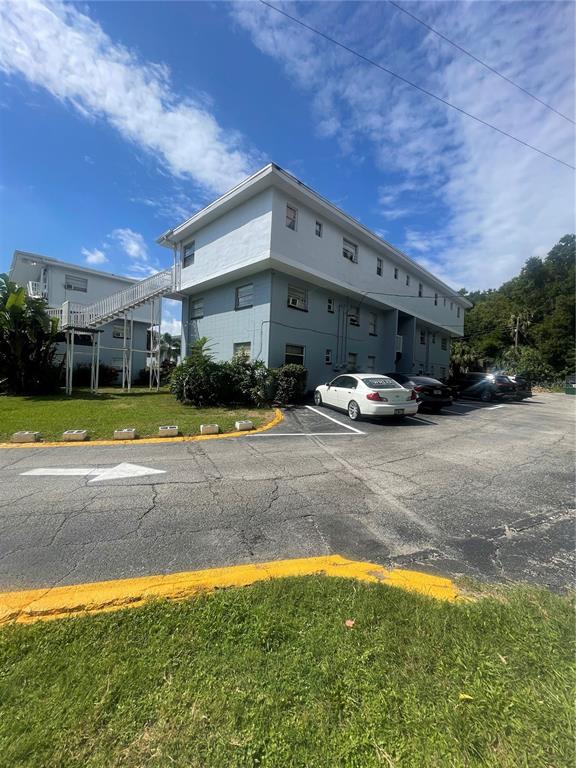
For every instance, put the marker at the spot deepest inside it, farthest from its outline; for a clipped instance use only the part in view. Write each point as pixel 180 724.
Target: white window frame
pixel 328 357
pixel 242 348
pixel 297 298
pixel 294 354
pixel 354 316
pixel 188 254
pixel 240 302
pixel 372 324
pixel 379 266
pixel 291 220
pixel 196 309
pixel 75 283
pixel 118 330
pixel 319 228
pixel 350 250
pixel 330 304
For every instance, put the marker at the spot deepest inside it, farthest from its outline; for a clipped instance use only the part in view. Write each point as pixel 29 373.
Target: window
pixel 242 349
pixel 396 273
pixel 319 229
pixel 451 306
pixel 379 266
pixel 433 338
pixel 444 300
pixel 457 311
pixel 294 355
pixel 372 322
pixel 297 298
pixel 328 357
pixel 188 255
pixel 350 251
pixel 420 288
pixel 196 309
pixel 72 283
pixel 422 337
pixel 244 296
pixel 354 316
pixel 330 305
pixel 291 217
pixel 118 331
pixel 444 343
pixel 352 363
pixel 435 299
pixel 371 365
pixel 407 279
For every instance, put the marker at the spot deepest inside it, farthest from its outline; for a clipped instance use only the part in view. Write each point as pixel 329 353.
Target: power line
pixel 414 85
pixel 479 61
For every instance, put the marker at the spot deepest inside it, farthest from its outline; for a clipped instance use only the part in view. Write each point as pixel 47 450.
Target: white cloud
pixel 134 246
pixel 95 256
pixel 498 201
pixel 55 46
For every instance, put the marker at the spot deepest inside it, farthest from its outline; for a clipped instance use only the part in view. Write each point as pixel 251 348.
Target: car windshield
pixel 381 383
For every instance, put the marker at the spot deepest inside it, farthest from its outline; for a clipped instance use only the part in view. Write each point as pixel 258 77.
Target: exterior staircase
pixel 72 315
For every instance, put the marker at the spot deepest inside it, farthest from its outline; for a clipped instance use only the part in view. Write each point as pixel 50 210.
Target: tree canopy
pixel 528 324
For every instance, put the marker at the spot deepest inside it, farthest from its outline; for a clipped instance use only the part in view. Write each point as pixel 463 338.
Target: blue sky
pixel 120 119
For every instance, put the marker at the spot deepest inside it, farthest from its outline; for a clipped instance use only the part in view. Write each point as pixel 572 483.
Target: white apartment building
pixel 76 287
pixel 273 269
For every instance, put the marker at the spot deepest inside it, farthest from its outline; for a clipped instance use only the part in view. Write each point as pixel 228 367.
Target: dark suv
pixel 484 386
pixel 430 393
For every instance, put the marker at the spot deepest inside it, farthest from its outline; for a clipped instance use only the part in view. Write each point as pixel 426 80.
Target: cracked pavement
pixel 479 491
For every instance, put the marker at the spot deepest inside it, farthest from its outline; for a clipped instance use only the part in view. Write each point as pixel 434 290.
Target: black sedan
pixel 484 386
pixel 431 394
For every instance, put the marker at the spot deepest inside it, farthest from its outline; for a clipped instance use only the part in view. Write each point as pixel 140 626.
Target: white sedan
pixel 367 394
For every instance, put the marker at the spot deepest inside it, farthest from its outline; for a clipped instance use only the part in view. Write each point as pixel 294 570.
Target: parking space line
pixel 306 434
pixel 341 423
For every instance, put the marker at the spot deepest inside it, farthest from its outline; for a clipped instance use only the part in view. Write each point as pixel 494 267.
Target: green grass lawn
pixel 112 409
pixel 269 675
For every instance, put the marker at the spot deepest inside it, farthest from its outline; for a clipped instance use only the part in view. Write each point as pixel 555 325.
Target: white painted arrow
pixel 100 473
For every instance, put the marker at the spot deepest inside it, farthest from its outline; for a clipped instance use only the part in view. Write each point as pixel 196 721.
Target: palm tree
pixel 169 347
pixel 27 341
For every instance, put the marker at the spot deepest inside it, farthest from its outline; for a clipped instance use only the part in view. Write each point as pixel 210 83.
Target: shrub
pixel 198 380
pixel 247 382
pixel 290 383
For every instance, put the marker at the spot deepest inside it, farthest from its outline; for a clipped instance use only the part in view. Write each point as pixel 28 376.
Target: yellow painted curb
pixel 98 597
pixel 278 417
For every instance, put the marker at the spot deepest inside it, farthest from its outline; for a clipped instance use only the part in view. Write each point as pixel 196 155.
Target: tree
pixel 27 341
pixel 169 347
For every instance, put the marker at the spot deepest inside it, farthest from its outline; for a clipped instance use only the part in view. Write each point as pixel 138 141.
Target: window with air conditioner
pixel 196 309
pixel 372 323
pixel 188 254
pixel 294 354
pixel 350 251
pixel 291 217
pixel 243 349
pixel 244 296
pixel 354 316
pixel 73 283
pixel 298 298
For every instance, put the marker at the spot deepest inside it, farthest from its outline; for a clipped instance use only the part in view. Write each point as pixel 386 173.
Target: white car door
pixel 332 395
pixel 347 391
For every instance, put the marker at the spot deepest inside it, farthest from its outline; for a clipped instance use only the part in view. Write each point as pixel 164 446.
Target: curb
pixel 278 417
pixel 25 607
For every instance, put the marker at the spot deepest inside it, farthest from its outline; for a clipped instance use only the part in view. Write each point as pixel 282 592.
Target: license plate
pixel 398 411
pixel 437 391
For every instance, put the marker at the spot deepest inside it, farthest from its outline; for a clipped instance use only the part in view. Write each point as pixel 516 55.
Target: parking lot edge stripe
pixel 277 419
pixel 51 603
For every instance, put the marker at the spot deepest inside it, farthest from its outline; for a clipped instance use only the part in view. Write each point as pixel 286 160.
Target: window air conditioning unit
pixel 297 303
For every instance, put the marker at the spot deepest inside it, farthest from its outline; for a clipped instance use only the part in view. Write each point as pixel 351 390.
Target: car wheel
pixel 354 410
pixel 317 398
pixel 486 396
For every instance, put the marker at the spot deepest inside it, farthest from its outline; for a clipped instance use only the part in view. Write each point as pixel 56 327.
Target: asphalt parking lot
pixel 484 490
